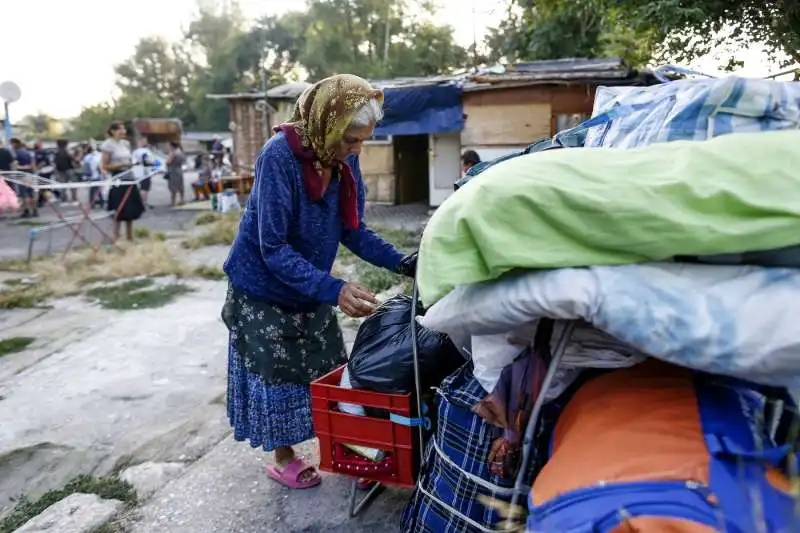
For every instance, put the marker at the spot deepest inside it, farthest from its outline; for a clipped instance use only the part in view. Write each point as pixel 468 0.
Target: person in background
pixel 6 158
pixel 65 171
pixel 124 198
pixel 205 183
pixel 175 162
pixel 469 159
pixel 43 166
pixel 6 165
pixel 217 151
pixel 23 161
pixel 143 161
pixel 308 197
pixel 90 171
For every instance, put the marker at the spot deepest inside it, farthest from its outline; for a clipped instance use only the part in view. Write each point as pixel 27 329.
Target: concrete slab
pixel 114 385
pixel 77 513
pixel 227 491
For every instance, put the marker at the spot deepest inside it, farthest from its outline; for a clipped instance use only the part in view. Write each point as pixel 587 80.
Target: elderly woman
pixel 307 198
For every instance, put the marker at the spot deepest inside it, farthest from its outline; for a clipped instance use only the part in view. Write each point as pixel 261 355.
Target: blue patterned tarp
pixel 688 110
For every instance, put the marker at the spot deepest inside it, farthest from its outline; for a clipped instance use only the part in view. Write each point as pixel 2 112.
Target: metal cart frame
pixel 527 443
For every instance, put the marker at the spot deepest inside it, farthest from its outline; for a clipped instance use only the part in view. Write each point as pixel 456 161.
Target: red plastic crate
pixel 334 428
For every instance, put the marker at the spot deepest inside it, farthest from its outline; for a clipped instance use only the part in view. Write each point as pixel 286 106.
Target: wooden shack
pixel 508 111
pixel 252 119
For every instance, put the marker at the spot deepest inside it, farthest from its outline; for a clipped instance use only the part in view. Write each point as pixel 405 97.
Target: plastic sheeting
pixel 421 110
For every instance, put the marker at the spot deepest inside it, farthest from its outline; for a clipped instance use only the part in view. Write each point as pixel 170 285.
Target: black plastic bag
pixel 382 359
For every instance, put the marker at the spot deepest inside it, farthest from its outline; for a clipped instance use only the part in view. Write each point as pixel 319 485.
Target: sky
pixel 65 52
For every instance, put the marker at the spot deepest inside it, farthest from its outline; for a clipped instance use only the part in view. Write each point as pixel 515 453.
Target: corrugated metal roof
pixel 414 81
pixel 558 71
pixel 569 65
pixel 287 91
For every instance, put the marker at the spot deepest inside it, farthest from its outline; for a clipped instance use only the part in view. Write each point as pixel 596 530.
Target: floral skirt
pixel 273 356
pixel 268 416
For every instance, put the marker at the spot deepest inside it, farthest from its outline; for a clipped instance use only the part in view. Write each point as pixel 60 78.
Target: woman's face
pixel 353 140
pixel 119 133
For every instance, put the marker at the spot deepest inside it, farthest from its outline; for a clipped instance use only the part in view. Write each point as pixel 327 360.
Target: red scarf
pixel 348 190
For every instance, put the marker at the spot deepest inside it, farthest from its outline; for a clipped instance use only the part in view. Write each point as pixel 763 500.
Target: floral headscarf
pixel 325 110
pixel 320 118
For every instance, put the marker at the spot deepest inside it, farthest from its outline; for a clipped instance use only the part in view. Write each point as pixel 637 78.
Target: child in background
pixel 205 184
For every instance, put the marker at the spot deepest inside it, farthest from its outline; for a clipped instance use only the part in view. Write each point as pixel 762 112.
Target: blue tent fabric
pixel 422 110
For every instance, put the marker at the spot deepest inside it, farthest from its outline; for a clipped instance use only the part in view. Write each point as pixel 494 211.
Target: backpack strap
pixel 740 453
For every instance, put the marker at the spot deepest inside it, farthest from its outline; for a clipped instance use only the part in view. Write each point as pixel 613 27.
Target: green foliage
pixel 14 344
pixel 553 29
pixel 640 31
pixel 694 28
pixel 106 487
pixel 220 53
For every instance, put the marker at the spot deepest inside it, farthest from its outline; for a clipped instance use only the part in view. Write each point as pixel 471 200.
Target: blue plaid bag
pixel 456 470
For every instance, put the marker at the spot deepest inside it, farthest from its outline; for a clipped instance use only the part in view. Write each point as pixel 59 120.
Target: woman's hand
pixel 356 300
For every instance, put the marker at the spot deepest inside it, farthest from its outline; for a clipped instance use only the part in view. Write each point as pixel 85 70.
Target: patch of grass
pixel 13 282
pixel 143 233
pixel 137 294
pixel 57 278
pixel 34 223
pixel 13 265
pixel 105 487
pixel 378 279
pixel 209 272
pixel 14 344
pixel 207 217
pixel 23 297
pixel 221 231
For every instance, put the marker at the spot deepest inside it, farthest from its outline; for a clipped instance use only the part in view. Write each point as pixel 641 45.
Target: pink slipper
pixel 290 476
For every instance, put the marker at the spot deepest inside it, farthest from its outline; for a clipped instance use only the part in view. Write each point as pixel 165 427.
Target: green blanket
pixel 606 206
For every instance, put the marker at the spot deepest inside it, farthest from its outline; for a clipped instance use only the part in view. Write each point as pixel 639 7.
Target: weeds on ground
pixel 219 230
pixel 14 344
pixel 209 272
pixel 54 278
pixel 207 217
pixel 33 223
pixel 142 232
pixel 105 487
pixel 378 279
pixel 141 293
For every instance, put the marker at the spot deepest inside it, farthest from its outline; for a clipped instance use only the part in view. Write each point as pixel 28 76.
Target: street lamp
pixel 9 93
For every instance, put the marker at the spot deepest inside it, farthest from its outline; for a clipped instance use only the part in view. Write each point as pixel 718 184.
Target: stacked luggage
pixel 657 253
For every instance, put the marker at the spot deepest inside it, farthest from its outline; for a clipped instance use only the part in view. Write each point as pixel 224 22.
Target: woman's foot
pixel 296 474
pixel 291 471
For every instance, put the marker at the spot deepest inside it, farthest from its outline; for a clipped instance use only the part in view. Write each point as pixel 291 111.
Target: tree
pixel 426 50
pixel 93 121
pixel 157 70
pixel 375 39
pixel 220 54
pixel 554 29
pixel 43 125
pixel 694 28
pixel 225 60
